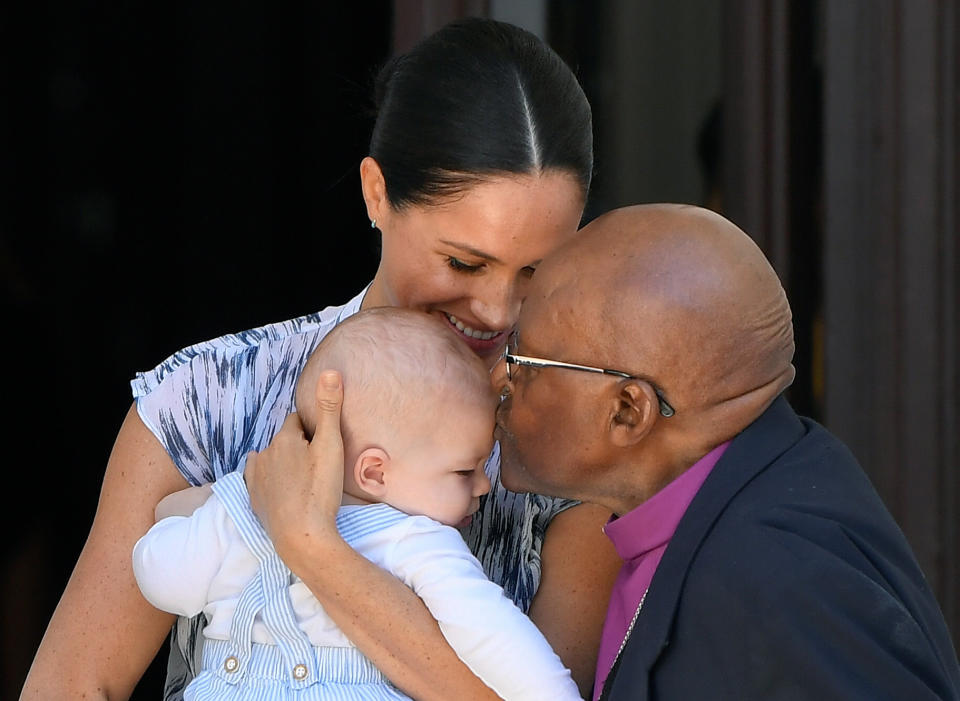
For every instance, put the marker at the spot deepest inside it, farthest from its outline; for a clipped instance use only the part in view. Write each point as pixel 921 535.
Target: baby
pixel 417 425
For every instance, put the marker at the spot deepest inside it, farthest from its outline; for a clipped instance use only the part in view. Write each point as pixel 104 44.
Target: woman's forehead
pixel 497 218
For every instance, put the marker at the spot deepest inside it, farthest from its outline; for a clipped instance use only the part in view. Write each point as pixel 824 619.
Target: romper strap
pixel 236 660
pixel 232 492
pixel 268 593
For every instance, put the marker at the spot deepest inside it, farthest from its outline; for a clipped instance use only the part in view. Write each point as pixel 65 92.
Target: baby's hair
pixel 392 361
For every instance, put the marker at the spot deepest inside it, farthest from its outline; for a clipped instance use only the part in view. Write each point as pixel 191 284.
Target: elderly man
pixel 645 376
pixel 759 563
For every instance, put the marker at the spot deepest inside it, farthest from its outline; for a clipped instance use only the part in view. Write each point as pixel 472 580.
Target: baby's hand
pixel 183 503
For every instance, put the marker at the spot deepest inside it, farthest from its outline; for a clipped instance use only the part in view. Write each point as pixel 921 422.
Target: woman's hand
pixel 296 485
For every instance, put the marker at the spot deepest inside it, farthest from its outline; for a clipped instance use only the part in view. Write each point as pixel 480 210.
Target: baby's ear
pixel 369 470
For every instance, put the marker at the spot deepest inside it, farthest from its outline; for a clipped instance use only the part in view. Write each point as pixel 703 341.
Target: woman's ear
pixel 369 471
pixel 374 189
pixel 635 411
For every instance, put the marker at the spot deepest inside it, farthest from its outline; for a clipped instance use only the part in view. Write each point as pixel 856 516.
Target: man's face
pixel 550 425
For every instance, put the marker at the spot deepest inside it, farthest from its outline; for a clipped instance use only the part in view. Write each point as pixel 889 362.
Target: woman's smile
pixel 479 341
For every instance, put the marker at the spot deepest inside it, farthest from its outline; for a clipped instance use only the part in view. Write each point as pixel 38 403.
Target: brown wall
pixel 892 263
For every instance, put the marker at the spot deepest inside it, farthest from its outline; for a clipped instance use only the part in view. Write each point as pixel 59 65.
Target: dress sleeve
pixel 211 403
pixel 198 413
pixel 223 402
pixel 486 630
pixel 178 558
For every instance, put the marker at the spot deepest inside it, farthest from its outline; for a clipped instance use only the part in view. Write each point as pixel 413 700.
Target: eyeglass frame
pixel 666 410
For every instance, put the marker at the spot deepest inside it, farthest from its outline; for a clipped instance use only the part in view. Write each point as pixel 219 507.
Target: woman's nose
pixel 498 304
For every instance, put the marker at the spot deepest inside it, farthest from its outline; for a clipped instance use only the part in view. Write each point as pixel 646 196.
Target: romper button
pixel 231 664
pixel 300 671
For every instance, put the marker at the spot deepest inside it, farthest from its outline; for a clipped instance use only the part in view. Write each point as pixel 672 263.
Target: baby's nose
pixel 481 484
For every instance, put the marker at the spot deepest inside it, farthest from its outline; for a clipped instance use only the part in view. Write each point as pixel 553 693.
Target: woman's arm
pixel 579 566
pixel 103 634
pixel 295 489
pixel 489 632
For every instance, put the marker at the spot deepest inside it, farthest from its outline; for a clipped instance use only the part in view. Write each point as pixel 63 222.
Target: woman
pixel 479 166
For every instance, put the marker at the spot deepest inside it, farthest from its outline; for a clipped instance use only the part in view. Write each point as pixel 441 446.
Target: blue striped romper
pixel 292 669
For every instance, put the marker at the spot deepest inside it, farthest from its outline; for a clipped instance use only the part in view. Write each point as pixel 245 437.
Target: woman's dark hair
pixel 477 98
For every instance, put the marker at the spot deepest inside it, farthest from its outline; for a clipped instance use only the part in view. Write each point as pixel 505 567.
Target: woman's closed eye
pixel 462 267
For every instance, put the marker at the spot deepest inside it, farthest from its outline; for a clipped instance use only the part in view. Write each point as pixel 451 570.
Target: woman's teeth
pixel 472 333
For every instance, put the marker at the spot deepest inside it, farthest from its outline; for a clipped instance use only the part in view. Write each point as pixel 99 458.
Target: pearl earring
pixel 373 223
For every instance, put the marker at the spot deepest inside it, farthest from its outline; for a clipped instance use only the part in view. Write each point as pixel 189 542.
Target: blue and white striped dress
pixel 212 403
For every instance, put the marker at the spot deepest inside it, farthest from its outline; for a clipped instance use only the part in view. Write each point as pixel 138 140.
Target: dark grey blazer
pixel 787 578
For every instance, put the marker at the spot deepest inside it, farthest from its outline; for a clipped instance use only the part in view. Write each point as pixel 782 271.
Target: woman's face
pixel 469 259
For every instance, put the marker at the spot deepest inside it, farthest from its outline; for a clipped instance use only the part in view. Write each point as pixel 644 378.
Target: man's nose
pixel 498 378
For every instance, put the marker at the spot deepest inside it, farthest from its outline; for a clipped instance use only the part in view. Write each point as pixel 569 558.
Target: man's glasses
pixel 511 358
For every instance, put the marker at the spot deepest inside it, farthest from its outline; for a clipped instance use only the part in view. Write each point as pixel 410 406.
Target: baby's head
pixel 418 412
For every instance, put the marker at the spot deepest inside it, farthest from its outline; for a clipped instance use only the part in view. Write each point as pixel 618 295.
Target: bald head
pixel 681 295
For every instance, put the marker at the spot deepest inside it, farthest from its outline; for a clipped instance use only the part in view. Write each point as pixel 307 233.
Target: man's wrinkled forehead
pixel 556 309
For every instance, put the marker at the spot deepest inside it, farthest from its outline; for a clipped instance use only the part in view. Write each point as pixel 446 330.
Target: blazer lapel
pixel 749 453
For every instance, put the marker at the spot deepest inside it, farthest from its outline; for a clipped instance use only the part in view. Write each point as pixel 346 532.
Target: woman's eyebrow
pixel 472 251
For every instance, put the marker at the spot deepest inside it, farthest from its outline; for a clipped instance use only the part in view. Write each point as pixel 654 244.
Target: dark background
pixel 169 174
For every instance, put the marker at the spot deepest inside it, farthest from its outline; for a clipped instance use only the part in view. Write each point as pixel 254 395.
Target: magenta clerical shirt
pixel 641 536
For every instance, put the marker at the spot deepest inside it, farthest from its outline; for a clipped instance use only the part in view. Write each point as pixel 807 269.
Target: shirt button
pixel 231 664
pixel 300 672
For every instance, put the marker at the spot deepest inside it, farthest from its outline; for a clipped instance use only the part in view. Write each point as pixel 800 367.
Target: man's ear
pixel 374 189
pixel 369 471
pixel 635 411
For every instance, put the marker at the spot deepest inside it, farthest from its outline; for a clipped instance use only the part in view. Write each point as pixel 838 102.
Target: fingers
pixel 329 401
pixel 251 467
pixel 250 477
pixel 291 428
pixel 330 393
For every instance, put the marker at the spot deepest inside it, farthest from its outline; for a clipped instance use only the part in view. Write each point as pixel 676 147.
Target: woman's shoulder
pixel 271 339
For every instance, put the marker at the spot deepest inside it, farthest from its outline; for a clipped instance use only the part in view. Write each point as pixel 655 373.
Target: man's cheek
pixel 510 466
pixel 502 415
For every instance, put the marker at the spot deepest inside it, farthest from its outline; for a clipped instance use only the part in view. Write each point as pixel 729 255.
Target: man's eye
pixel 458 264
